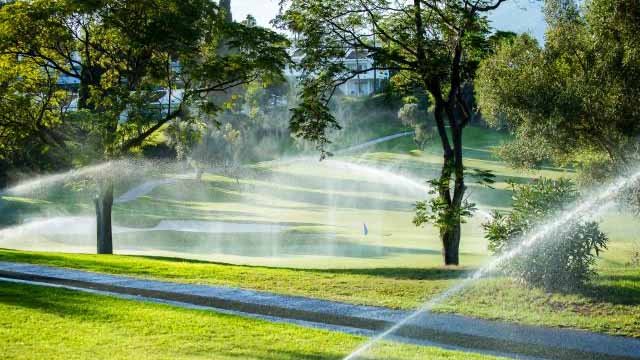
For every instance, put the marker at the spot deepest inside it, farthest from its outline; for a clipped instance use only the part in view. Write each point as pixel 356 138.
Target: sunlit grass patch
pixel 610 304
pixel 40 323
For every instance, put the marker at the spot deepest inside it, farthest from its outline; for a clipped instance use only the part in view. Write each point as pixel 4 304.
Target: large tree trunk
pixel 104 203
pixel 450 235
pixel 451 245
pixel 452 167
pixel 452 196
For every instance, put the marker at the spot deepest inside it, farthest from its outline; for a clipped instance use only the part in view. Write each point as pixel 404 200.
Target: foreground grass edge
pixel 614 310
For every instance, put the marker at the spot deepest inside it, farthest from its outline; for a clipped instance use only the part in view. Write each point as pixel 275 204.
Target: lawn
pixel 47 323
pixel 610 305
pixel 323 251
pixel 324 205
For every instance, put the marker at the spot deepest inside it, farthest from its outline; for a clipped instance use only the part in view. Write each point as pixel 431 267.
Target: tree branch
pixel 137 141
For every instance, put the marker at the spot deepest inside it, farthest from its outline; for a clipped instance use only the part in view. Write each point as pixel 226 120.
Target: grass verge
pixel 47 323
pixel 610 305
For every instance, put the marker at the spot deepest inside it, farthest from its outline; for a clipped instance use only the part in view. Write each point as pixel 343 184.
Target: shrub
pixel 565 257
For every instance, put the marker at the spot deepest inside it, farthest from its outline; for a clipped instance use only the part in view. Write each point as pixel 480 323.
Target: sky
pixel 515 15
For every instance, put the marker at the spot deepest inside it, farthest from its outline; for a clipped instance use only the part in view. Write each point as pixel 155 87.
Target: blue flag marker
pixel 365 230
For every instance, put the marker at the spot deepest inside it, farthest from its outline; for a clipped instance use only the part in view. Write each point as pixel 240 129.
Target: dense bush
pixel 565 257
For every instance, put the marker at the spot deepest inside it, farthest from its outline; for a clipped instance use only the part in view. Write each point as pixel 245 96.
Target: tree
pixel 225 7
pixel 412 114
pixel 437 43
pixel 576 100
pixel 563 259
pixel 30 107
pixel 125 55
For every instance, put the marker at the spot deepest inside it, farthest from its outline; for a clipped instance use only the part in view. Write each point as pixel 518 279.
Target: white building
pixel 367 83
pixel 73 82
pixel 364 84
pixel 163 99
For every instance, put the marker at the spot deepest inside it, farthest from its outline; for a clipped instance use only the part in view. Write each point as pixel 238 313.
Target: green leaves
pixel 312 118
pixel 575 100
pixel 565 257
pixel 483 177
pixel 31 107
pixel 434 47
pixel 438 210
pixel 122 52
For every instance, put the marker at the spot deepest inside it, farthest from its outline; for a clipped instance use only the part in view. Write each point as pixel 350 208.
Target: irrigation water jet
pixel 115 169
pixel 591 207
pixel 349 149
pixel 84 225
pixel 374 142
pixel 141 190
pixel 166 173
pixel 32 185
pixel 383 175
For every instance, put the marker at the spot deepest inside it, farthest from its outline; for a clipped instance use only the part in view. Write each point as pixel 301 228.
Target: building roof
pixel 353 54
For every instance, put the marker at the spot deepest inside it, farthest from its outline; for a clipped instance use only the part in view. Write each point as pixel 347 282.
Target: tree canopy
pixel 129 68
pixel 577 99
pixel 435 44
pixel 121 52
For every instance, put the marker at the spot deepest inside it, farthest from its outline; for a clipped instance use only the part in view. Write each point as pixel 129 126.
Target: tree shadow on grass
pixel 614 289
pixel 491 198
pixel 435 273
pixel 291 354
pixel 61 302
pixel 92 262
pixel 404 273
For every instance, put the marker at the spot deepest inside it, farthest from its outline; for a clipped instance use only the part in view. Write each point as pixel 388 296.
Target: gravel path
pixel 447 331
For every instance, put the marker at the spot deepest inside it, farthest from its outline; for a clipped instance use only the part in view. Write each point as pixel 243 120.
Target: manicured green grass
pixel 611 305
pixel 324 206
pixel 393 287
pixel 47 323
pixel 324 252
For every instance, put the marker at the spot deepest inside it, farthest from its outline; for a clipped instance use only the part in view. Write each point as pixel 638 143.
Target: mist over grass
pixel 322 250
pixel 323 205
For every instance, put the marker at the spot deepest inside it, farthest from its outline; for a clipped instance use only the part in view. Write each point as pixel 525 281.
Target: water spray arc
pixel 591 207
pixel 114 169
pixel 374 142
pixel 375 173
pixel 44 181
